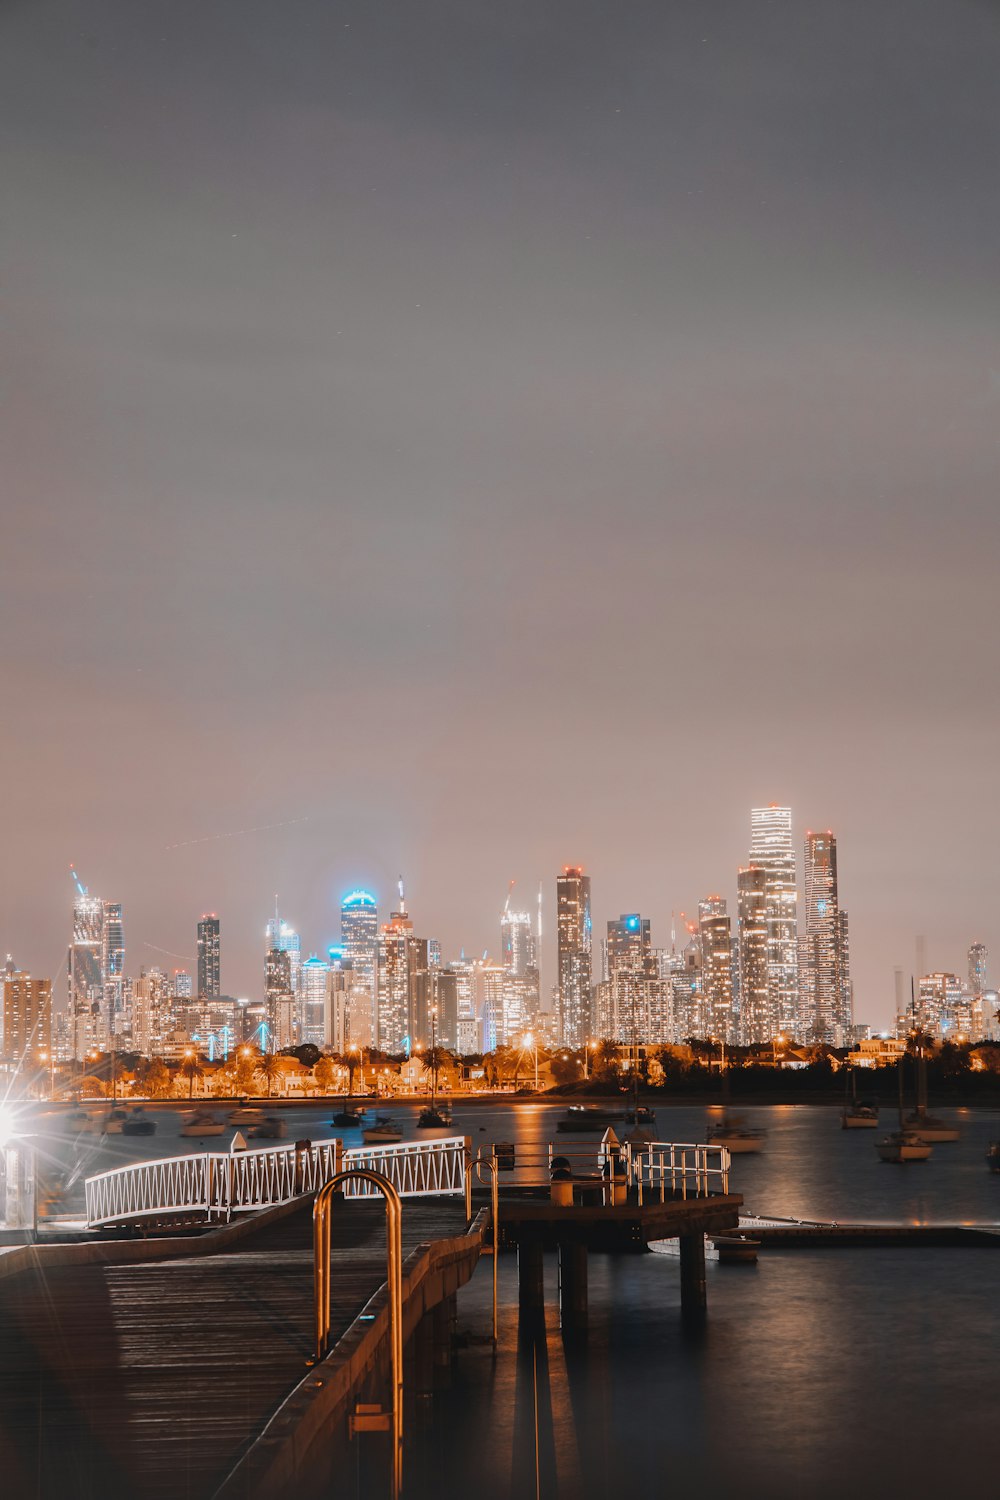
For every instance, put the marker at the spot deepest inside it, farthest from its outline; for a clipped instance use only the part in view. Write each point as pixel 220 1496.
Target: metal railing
pixel 685 1170
pixel 218 1184
pixel 414 1168
pixel 351 1180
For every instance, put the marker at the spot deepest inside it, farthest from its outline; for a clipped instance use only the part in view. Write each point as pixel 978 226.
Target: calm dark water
pixel 818 1373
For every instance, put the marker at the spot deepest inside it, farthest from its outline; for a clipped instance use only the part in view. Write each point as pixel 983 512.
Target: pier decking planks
pixel 152 1378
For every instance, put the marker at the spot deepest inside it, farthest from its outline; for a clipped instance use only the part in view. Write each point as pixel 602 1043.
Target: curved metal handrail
pixel 394 1283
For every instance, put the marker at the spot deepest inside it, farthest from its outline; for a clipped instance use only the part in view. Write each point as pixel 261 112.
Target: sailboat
pixel 903 1144
pixel 929 1127
pixel 731 1131
pixel 855 1115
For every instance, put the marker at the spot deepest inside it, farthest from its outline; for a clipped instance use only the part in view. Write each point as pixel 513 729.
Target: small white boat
pixel 728 1249
pixel 903 1145
pixel 245 1114
pixel 203 1124
pixel 859 1117
pixel 80 1122
pixel 930 1128
pixel 381 1132
pixel 114 1121
pixel 737 1138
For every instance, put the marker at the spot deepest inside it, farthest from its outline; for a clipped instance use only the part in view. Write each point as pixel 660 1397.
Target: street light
pixel 532 1046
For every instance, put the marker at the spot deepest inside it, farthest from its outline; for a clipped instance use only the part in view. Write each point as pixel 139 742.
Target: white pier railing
pixel 217 1184
pixel 413 1169
pixel 690 1170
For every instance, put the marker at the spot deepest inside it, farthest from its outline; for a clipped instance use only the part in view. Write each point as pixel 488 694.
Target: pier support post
pixel 530 1278
pixel 573 1284
pixel 424 1352
pixel 443 1322
pixel 694 1299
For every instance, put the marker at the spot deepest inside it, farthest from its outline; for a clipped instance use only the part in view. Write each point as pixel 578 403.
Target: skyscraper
pixel 278 934
pixel 824 974
pixel 771 850
pixel 757 1023
pixel 394 981
pixel 209 958
pixel 626 998
pixel 519 960
pixel 359 941
pixel 279 999
pixel 113 967
pixel 716 937
pixel 574 944
pixel 27 1016
pixel 85 974
pixel 311 1001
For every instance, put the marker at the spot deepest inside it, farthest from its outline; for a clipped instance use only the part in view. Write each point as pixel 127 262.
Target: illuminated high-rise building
pixel 183 984
pixel 716 938
pixel 360 943
pixel 209 958
pixel 113 967
pixel 519 960
pixel 824 969
pixel 85 973
pixel 758 1024
pixel 394 980
pixel 979 1018
pixel 574 955
pixel 27 1017
pixel 279 998
pixel 311 1001
pixel 771 850
pixel 278 934
pixel 626 1001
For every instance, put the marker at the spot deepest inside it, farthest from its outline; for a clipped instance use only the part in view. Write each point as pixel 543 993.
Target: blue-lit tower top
pixel 359 898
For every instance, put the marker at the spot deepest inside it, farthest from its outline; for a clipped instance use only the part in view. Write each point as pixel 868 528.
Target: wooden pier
pixel 155 1377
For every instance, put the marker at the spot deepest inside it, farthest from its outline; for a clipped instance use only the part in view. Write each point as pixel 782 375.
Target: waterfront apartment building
pixel 209 958
pixel 825 1003
pixel 574 955
pixel 27 1017
pixel 772 850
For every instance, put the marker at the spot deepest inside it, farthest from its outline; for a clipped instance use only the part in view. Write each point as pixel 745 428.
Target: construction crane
pixel 81 888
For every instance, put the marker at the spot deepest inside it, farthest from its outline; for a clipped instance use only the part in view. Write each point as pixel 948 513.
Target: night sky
pixel 484 436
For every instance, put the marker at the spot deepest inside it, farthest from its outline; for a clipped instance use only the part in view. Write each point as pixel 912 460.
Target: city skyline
pixel 823 983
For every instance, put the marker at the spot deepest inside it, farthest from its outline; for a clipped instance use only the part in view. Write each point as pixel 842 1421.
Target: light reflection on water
pixel 817 1373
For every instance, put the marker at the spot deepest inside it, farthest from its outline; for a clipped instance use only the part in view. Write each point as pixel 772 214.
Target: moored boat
pixel 435 1117
pixel 383 1131
pixel 202 1123
pixel 246 1114
pixel 903 1145
pixel 930 1127
pixel 993 1156
pixel 114 1122
pixel 349 1117
pixel 269 1128
pixel 138 1123
pixel 739 1139
pixel 583 1117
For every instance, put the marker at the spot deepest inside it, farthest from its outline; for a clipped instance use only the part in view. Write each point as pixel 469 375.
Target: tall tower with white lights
pixel 772 851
